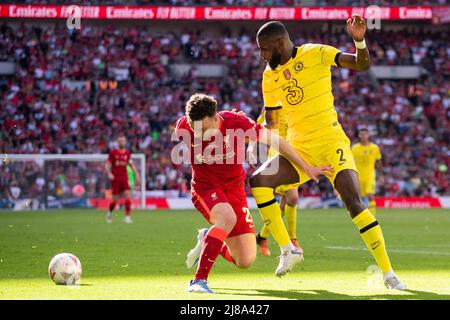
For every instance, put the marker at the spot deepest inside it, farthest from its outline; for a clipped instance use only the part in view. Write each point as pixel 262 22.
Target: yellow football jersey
pixel 365 158
pixel 302 88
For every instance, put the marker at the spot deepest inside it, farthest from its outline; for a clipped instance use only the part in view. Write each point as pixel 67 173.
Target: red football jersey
pixel 119 160
pixel 219 160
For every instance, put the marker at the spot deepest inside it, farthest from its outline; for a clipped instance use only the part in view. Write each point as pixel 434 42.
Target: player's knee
pixel 355 205
pixel 259 181
pixel 245 262
pixel 255 181
pixel 226 219
pixel 292 199
pixel 231 221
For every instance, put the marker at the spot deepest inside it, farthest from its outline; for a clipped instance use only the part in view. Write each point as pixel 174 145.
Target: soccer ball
pixel 65 268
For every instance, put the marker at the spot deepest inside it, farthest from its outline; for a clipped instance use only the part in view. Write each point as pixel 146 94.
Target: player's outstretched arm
pixel 281 145
pixel 356 28
pixel 272 118
pixel 108 170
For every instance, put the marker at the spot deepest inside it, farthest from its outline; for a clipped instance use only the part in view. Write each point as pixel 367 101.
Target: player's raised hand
pixel 252 157
pixel 314 172
pixel 356 27
pixel 242 113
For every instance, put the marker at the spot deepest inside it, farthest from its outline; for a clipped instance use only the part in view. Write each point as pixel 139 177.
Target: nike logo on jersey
pixel 341 163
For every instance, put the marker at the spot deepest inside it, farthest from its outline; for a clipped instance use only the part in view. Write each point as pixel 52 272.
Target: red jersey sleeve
pixel 182 129
pixel 248 125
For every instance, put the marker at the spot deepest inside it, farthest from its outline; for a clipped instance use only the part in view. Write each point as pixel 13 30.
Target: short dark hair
pixel 200 106
pixel 272 29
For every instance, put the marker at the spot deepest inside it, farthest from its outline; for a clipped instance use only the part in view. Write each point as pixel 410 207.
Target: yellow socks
pixel 271 214
pixel 373 238
pixel 291 220
pixel 264 233
pixel 372 207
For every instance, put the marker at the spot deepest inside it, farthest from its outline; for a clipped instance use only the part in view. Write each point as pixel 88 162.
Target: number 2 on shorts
pixel 341 157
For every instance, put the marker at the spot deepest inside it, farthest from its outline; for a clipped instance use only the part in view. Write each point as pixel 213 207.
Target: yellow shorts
pixel 367 185
pixel 331 147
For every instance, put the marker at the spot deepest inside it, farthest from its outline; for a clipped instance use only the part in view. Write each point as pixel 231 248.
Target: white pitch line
pixel 391 250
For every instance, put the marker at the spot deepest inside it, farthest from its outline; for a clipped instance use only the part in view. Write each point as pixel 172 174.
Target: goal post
pixel 38 169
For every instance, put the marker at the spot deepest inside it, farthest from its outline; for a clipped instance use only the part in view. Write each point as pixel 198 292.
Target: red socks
pixel 127 207
pixel 226 254
pixel 112 205
pixel 212 246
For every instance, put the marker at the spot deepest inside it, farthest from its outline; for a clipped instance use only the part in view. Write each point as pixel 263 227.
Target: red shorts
pixel 205 197
pixel 119 186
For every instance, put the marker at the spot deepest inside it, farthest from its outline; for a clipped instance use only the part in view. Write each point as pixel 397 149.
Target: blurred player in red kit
pixel 215 144
pixel 116 167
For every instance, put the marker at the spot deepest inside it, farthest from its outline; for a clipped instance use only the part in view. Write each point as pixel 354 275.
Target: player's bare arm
pixel 136 172
pixel 356 28
pixel 251 153
pixel 252 145
pixel 379 168
pixel 269 138
pixel 108 170
pixel 272 118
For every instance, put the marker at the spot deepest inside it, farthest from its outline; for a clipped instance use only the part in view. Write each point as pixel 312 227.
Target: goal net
pixel 38 181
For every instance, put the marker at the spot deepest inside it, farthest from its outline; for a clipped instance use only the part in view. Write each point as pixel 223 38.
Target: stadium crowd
pixel 72 92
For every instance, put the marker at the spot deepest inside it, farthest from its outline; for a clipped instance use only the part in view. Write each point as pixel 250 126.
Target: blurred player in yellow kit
pixel 367 158
pixel 288 201
pixel 298 80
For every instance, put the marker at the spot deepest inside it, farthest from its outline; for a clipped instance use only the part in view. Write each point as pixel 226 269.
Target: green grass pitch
pixel 146 260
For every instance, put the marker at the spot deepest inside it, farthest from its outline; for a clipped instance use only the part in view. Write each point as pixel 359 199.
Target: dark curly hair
pixel 200 106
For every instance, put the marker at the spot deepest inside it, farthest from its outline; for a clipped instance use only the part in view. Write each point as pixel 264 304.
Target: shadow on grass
pixel 328 295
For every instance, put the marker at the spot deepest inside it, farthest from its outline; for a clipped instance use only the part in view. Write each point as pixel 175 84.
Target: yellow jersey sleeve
pixel 377 153
pixel 270 101
pixel 329 55
pixel 325 54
